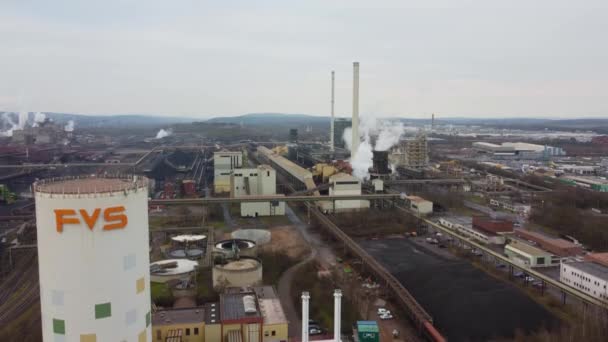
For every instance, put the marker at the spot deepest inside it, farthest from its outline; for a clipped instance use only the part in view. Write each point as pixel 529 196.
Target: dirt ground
pixel 289 240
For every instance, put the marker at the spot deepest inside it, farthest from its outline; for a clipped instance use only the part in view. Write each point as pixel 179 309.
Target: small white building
pixel 527 255
pixel 464 226
pixel 588 277
pixel 223 163
pixel 420 205
pixel 343 184
pixel 257 181
pixel 378 185
pixel 260 181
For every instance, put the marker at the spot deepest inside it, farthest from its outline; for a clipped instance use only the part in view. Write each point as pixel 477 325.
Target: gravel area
pixel 465 303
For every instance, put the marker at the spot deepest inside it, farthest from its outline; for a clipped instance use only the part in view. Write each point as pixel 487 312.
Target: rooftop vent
pixel 249 304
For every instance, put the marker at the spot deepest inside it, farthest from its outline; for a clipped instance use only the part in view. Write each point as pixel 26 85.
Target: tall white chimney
pixel 337 314
pixel 331 130
pixel 305 300
pixel 355 120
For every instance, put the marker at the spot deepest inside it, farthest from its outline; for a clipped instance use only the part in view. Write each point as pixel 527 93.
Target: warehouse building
pixel 463 226
pixel 247 314
pixel 588 277
pixel 559 247
pixel 518 150
pixel 343 184
pixel 598 258
pixel 592 183
pixel 527 255
pixel 260 181
pixel 420 205
pixel 223 163
pixel 492 225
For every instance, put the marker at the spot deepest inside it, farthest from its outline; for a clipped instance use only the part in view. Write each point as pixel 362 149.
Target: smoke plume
pixel 7 121
pixel 163 133
pixel 388 134
pixel 69 127
pixel 38 119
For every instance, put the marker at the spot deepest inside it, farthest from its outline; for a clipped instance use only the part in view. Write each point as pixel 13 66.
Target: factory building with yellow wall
pixel 250 314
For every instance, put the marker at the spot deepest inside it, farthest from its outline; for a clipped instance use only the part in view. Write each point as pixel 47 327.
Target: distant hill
pixel 272 118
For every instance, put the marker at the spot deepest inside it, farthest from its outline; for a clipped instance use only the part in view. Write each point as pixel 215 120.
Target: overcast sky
pixel 540 58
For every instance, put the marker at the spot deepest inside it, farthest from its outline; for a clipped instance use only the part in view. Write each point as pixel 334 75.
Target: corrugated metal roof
pixel 592 268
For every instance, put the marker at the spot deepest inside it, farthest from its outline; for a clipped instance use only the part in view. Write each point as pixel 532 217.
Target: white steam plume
pixel 38 119
pixel 163 133
pixel 69 127
pixel 7 120
pixel 388 133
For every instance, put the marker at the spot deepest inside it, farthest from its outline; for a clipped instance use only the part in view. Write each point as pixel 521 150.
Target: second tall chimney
pixel 355 120
pixel 331 130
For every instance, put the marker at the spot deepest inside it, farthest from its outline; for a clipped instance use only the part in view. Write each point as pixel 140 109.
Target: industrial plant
pixel 238 229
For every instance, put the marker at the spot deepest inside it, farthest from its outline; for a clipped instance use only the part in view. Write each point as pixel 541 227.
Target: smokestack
pixel 355 120
pixel 433 122
pixel 337 314
pixel 331 130
pixel 305 299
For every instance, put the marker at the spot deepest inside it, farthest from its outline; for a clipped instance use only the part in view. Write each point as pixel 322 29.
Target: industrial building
pixel 419 205
pixel 592 183
pixel 559 247
pixel 246 314
pixel 343 184
pixel 527 255
pixel 463 225
pixel 492 225
pixel 340 125
pixel 588 277
pixel 518 150
pixel 223 163
pixel 46 132
pixel 261 181
pixel 411 153
pixel 93 259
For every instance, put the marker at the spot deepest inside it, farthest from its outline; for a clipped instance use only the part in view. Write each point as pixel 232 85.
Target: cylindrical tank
pixel 259 236
pixel 246 247
pixel 245 271
pixel 93 259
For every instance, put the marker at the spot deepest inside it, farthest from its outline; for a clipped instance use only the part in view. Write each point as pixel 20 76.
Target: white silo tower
pixel 94 259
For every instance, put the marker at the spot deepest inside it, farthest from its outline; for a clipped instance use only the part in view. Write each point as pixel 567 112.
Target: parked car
pixel 519 274
pixel 386 316
pixel 501 266
pixel 314 331
pixel 382 311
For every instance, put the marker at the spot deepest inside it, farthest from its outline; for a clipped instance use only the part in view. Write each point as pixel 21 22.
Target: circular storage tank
pixel 246 271
pixel 189 253
pixel 246 247
pixel 259 236
pixel 165 270
pixel 93 258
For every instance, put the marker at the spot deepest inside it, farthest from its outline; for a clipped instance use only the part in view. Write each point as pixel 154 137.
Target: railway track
pixel 20 290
